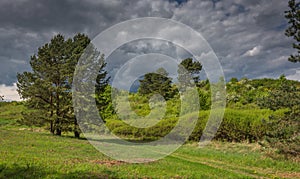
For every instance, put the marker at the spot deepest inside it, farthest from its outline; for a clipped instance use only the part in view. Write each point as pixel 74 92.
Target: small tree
pixel 157 82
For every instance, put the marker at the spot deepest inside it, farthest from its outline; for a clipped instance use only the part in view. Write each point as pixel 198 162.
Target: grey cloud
pixel 236 27
pixel 28 24
pixel 142 47
pixel 231 27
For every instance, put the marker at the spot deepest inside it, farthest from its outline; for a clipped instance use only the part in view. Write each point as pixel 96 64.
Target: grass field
pixel 34 153
pixel 28 154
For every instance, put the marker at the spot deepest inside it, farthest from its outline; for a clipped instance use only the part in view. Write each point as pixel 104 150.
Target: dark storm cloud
pixel 247 36
pixel 28 24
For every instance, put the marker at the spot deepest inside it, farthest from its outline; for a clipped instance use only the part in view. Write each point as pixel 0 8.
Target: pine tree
pixel 189 69
pixel 157 82
pixel 103 93
pixel 91 85
pixel 47 89
pixel 293 16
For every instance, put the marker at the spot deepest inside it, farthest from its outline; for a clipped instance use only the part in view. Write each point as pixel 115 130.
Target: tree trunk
pixel 76 128
pixel 51 127
pixel 58 132
pixel 57 127
pixel 52 130
pixel 57 122
pixel 76 134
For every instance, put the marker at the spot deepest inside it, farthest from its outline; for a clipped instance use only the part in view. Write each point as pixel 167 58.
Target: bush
pixel 201 123
pixel 284 134
pixel 284 130
pixel 244 125
pixel 237 125
pixel 155 132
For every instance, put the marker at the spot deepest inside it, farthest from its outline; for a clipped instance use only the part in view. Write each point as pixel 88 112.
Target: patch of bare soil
pixel 108 162
pixel 288 175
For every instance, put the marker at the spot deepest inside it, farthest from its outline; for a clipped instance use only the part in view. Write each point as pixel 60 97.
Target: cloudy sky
pixel 247 36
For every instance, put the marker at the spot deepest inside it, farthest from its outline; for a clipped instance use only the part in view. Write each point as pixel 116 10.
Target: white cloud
pixel 295 76
pixel 253 52
pixel 18 61
pixel 9 92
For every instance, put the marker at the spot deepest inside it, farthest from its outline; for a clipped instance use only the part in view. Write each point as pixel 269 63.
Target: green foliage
pixel 284 132
pixel 242 92
pixel 242 122
pixel 103 95
pixel 47 89
pixel 243 125
pixel 285 96
pixel 293 16
pixel 155 132
pixel 201 123
pixel 157 83
pixel 139 104
pixel 189 69
pixel 204 99
pixel 238 125
pixel 251 93
pixel 10 114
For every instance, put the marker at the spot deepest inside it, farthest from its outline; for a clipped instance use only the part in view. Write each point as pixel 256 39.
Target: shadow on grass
pixel 117 141
pixel 31 171
pixel 79 174
pixel 18 171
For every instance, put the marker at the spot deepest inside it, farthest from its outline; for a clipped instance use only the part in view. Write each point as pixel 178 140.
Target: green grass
pixel 10 112
pixel 33 153
pixel 27 154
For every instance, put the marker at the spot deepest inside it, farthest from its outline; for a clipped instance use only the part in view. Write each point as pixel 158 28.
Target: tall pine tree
pixel 189 69
pixel 293 16
pixel 48 88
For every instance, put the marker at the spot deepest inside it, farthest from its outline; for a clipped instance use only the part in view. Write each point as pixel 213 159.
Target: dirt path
pixel 252 172
pixel 219 165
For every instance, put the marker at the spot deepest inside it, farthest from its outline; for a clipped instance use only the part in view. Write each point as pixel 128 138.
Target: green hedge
pixel 237 125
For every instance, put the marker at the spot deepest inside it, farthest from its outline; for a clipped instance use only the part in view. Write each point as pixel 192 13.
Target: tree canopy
pixel 48 88
pixel 189 69
pixel 157 82
pixel 293 16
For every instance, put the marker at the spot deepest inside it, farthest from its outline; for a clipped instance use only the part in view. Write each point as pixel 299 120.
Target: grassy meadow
pixel 27 152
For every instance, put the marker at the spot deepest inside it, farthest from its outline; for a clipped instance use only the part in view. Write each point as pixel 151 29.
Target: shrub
pixel 284 133
pixel 237 125
pixel 284 130
pixel 243 125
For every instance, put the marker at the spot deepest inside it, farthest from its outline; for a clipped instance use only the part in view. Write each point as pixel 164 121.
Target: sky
pixel 247 36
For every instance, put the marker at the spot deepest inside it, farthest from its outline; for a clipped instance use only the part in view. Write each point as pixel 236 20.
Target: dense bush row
pixel 237 125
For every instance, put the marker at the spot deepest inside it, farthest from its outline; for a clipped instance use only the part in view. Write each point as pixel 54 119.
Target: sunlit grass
pixel 27 154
